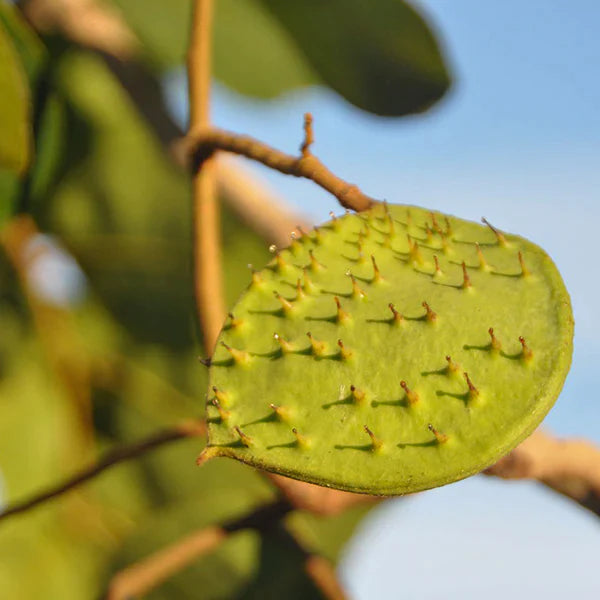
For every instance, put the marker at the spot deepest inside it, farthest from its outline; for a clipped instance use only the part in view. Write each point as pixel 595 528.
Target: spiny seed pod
pixel 453 357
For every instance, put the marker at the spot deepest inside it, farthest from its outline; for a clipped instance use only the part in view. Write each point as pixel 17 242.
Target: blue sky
pixel 517 140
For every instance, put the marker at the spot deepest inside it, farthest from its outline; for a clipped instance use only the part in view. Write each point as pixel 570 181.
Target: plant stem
pixel 208 277
pixel 204 142
pixel 110 459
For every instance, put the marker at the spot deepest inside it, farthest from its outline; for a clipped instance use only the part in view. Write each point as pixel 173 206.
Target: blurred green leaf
pixel 27 44
pixel 125 213
pixel 221 574
pixel 327 535
pixel 252 53
pixel 15 109
pixel 9 186
pixel 381 57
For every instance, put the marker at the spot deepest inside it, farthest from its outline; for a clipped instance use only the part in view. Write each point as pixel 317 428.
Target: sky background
pixel 516 140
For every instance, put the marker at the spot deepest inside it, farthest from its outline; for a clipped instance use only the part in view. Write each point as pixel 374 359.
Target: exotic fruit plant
pixel 390 351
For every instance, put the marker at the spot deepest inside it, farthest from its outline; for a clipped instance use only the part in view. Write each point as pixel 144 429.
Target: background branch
pixel 150 572
pixel 203 143
pixel 569 467
pixel 110 459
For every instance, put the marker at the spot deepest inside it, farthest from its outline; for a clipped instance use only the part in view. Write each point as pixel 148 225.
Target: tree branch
pixel 202 143
pixel 569 467
pixel 145 575
pixel 208 275
pixel 110 459
pixel 150 572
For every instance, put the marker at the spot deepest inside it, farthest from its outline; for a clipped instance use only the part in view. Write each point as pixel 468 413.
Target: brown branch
pixel 145 575
pixel 208 275
pixel 204 142
pixel 569 467
pixel 110 459
pixel 317 499
pixel 150 572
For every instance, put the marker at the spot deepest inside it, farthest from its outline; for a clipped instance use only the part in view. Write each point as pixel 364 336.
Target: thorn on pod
pixel 224 414
pixel 437 272
pixel 499 235
pixel 357 292
pixel 473 391
pixel 301 440
pixel 448 226
pixel 428 233
pixel 314 265
pixel 345 353
pixel 309 286
pixel 376 273
pixel 482 262
pixel 285 304
pixel 317 347
pixel 435 224
pixel 318 236
pixel 341 316
pixel 411 396
pixel 397 318
pixel 429 314
pixel 245 439
pixel 300 293
pixel 526 352
pixel 414 252
pixel 220 395
pixel 285 346
pixel 440 437
pixel 466 284
pixel 335 224
pixel 452 366
pixel 524 270
pixel 391 228
pixel 239 356
pixel 357 395
pixel 281 412
pixel 376 443
pixel 495 344
pixel 256 278
pixel 233 322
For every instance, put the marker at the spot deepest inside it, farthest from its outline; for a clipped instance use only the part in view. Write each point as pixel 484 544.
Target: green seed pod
pixel 416 368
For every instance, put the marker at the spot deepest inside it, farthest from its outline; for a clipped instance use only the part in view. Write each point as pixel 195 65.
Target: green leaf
pixel 253 53
pixel 386 61
pixel 382 58
pixel 27 44
pixel 15 109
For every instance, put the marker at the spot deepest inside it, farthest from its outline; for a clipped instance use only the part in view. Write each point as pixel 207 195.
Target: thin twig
pixel 569 467
pixel 110 459
pixel 150 572
pixel 208 276
pixel 204 142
